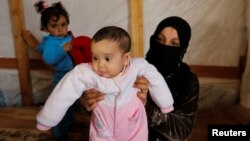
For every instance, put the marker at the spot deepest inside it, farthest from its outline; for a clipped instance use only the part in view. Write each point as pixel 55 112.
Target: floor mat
pixel 11 134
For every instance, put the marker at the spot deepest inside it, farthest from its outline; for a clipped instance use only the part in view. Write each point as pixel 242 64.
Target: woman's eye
pixel 159 39
pixel 176 44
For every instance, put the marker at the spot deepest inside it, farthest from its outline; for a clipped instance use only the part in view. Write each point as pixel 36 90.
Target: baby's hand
pixel 67 46
pixel 42 127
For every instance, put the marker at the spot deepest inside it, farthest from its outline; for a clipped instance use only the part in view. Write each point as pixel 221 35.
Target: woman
pixel 168 45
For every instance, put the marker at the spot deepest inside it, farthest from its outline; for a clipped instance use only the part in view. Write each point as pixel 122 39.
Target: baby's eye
pixel 94 58
pixel 107 59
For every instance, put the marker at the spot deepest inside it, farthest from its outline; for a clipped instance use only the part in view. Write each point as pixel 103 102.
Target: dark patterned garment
pixel 184 85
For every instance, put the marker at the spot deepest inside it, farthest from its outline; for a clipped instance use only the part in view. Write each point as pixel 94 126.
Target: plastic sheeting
pixel 10 94
pixel 245 89
pixel 219 29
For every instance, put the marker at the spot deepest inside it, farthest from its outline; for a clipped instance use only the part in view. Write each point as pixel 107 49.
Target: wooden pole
pixel 245 79
pixel 17 19
pixel 136 27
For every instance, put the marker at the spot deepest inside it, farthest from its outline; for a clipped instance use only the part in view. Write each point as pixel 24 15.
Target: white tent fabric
pixel 245 89
pixel 218 27
pixel 219 30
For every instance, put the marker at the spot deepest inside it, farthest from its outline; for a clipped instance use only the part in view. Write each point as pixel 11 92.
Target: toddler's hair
pixel 116 34
pixel 55 10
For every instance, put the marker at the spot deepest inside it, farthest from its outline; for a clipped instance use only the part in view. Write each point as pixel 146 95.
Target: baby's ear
pixel 126 58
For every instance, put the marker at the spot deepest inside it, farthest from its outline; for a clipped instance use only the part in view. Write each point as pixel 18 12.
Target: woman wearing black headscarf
pixel 168 45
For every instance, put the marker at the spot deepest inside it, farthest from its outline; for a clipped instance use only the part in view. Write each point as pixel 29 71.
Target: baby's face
pixel 107 59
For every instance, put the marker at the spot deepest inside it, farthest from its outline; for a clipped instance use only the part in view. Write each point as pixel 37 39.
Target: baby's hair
pixel 55 10
pixel 115 34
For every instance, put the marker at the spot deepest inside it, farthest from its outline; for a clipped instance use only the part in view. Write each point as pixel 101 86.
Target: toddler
pixel 56 50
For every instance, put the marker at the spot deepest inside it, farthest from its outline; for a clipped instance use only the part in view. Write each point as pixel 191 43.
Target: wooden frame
pixel 35 64
pixel 18 25
pixel 200 70
pixel 136 27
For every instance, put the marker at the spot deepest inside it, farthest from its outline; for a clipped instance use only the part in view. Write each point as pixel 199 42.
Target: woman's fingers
pixel 90 98
pixel 141 79
pixel 143 97
pixel 141 83
pixel 90 107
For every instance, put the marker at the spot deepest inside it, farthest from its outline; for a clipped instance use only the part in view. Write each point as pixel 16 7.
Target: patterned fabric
pixel 2 100
pixel 10 134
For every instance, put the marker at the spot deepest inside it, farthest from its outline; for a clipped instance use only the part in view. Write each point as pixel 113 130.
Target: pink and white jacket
pixel 121 115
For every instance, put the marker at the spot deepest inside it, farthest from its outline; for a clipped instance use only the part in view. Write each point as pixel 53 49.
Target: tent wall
pixel 245 89
pixel 219 35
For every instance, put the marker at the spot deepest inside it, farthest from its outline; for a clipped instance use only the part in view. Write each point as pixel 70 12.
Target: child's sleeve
pixel 158 88
pixel 52 51
pixel 67 91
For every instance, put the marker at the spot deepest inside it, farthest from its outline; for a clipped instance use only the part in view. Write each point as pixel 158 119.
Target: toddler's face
pixel 107 59
pixel 58 28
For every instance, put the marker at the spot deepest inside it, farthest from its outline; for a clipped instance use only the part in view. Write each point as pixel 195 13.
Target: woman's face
pixel 169 36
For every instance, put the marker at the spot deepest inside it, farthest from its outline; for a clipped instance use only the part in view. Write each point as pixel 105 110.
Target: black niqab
pixel 165 58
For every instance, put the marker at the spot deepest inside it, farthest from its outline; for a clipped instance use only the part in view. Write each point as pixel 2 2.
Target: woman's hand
pixel 142 84
pixel 90 98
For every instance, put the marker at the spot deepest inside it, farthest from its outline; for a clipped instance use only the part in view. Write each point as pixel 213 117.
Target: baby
pixel 121 115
